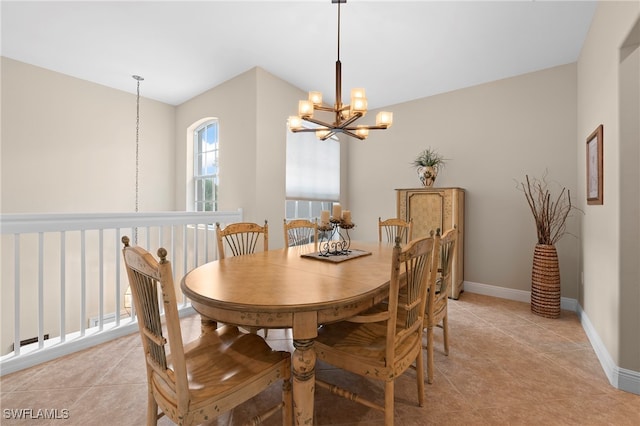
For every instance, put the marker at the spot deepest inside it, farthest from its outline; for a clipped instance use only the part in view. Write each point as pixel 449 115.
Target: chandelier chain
pixel 137 143
pixel 137 188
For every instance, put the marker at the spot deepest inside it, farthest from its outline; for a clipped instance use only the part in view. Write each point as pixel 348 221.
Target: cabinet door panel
pixel 427 208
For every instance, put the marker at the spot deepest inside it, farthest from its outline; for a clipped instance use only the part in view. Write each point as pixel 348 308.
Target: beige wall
pixel 276 100
pixel 68 145
pixel 253 109
pixel 233 103
pixel 492 134
pixel 610 296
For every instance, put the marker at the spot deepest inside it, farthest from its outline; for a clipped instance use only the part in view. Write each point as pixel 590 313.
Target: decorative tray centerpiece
pixel 334 243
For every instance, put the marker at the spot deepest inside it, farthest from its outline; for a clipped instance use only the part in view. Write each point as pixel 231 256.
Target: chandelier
pixel 344 115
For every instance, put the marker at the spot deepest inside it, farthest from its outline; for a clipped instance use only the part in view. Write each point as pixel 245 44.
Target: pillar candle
pixel 324 217
pixel 337 212
pixel 346 217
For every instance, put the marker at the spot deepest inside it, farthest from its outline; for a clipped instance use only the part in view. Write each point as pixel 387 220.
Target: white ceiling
pixel 397 50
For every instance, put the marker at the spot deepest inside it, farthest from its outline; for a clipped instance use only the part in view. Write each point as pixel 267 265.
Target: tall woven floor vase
pixel 545 282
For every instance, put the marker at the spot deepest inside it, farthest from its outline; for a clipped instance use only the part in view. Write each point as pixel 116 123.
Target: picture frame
pixel 595 172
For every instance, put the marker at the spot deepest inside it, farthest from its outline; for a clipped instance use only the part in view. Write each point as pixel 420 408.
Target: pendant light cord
pixel 138 79
pixel 338 31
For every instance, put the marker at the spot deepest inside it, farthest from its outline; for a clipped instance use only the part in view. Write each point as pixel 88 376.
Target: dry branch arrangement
pixel 550 214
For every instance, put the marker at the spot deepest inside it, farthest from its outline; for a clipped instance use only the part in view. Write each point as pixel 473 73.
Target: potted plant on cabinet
pixel 428 163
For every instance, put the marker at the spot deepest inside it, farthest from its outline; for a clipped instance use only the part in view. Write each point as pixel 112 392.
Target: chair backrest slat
pixel 241 238
pixel 447 253
pixel 411 275
pixel 393 228
pixel 298 232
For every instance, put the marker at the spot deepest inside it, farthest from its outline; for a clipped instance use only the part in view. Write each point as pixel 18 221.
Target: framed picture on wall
pixel 594 167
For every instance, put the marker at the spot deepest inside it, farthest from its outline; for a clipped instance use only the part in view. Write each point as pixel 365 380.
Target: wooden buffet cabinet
pixel 432 208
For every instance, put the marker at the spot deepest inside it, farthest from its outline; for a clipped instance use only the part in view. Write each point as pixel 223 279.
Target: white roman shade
pixel 313 168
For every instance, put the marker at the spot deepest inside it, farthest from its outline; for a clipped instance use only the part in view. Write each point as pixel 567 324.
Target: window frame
pixel 203 200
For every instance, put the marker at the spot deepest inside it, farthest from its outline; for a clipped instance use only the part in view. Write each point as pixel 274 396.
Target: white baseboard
pixel 620 378
pixel 512 294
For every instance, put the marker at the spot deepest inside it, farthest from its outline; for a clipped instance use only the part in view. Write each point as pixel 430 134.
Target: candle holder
pixel 334 242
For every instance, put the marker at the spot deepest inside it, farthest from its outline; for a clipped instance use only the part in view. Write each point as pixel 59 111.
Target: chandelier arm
pixel 350 120
pixel 327 136
pixel 367 127
pixel 319 123
pixel 303 130
pixel 353 135
pixel 324 108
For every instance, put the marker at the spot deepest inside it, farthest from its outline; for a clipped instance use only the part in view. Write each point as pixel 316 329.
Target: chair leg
pixel 420 378
pixel 152 410
pixel 388 402
pixel 430 354
pixel 445 334
pixel 287 398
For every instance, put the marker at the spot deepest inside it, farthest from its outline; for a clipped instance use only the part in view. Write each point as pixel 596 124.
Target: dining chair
pixel 384 342
pixel 393 228
pixel 241 238
pixel 298 232
pixel 436 314
pixel 193 383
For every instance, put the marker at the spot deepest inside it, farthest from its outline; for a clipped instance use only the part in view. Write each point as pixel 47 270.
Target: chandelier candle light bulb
pixel 362 131
pixel 315 97
pixel 305 109
pixel 384 118
pixel 357 93
pixel 322 134
pixel 295 122
pixel 359 105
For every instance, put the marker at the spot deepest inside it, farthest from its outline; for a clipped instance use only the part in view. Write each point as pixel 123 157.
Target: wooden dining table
pixel 284 288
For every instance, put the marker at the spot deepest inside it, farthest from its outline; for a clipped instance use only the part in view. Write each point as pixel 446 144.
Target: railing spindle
pixel 80 285
pixel 40 290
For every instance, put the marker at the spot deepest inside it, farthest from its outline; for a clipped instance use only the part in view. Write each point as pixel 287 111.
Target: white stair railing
pixel 64 286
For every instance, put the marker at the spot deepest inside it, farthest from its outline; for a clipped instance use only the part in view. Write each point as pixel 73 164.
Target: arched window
pixel 205 169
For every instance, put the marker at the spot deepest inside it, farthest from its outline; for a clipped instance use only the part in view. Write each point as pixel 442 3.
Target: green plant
pixel 429 158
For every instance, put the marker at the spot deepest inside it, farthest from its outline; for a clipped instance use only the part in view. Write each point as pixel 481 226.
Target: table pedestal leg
pixel 304 365
pixel 207 325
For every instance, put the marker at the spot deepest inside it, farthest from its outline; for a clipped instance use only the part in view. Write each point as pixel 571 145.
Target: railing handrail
pixel 18 223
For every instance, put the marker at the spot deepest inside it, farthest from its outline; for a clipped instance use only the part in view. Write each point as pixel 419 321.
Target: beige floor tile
pixel 505 366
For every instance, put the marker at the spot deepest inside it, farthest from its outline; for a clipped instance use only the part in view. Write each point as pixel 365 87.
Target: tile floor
pixel 506 366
